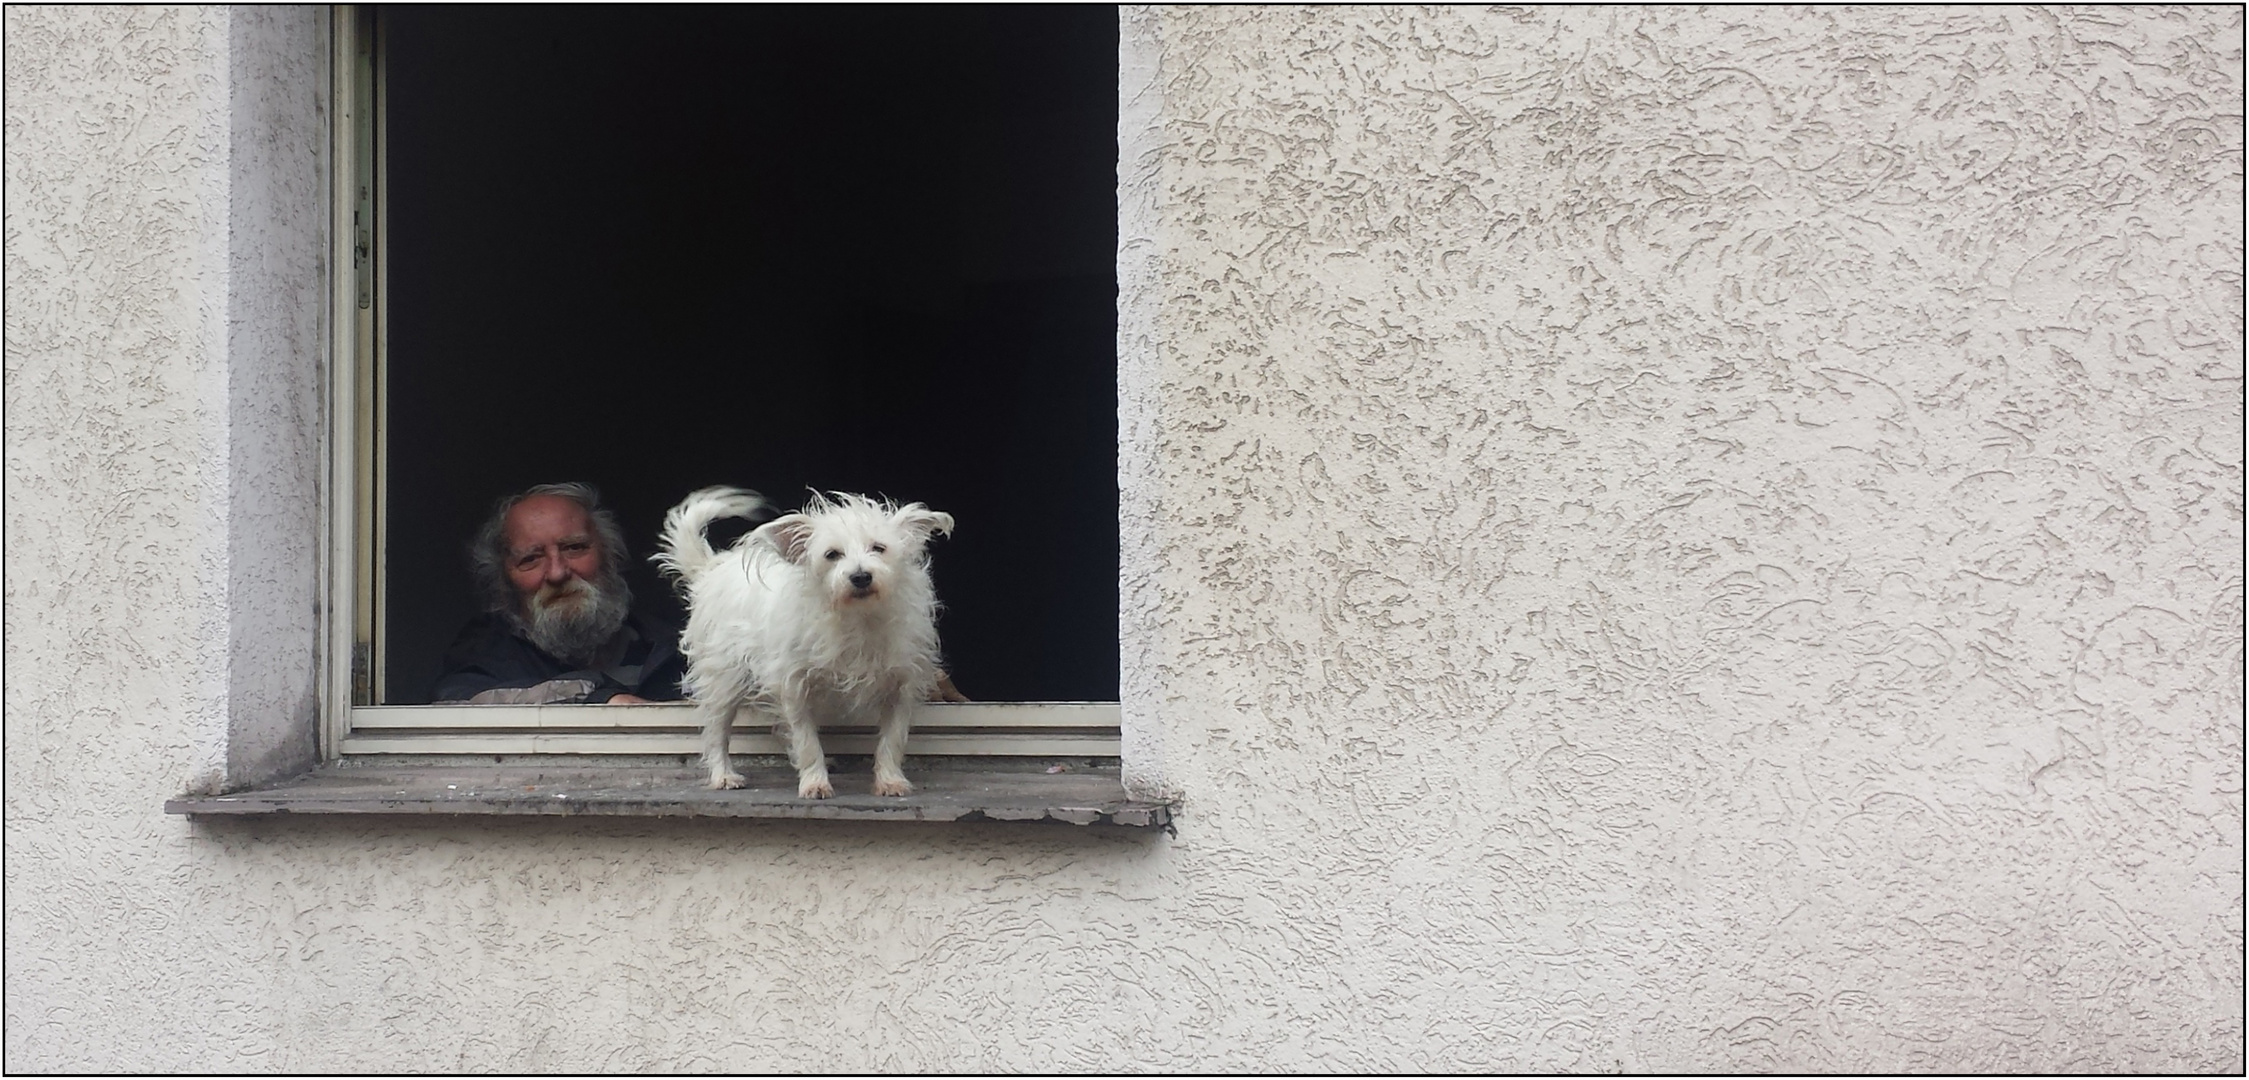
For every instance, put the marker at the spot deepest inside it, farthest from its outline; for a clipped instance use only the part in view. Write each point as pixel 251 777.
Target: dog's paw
pixel 815 789
pixel 900 786
pixel 728 780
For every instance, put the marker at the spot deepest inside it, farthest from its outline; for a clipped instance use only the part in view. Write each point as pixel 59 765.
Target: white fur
pixel 777 620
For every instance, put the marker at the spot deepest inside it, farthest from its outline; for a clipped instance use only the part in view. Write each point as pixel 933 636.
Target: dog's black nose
pixel 862 579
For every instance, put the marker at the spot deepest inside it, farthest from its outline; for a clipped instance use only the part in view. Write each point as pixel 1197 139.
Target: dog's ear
pixel 789 534
pixel 922 522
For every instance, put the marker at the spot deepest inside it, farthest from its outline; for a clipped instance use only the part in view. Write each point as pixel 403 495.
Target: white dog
pixel 823 615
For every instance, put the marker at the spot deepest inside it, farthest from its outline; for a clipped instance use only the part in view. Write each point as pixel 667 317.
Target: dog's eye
pixel 834 554
pixel 879 549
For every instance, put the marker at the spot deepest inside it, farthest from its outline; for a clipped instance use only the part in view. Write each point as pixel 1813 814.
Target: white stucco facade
pixel 1666 540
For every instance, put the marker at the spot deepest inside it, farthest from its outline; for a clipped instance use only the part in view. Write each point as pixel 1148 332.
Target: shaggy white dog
pixel 822 616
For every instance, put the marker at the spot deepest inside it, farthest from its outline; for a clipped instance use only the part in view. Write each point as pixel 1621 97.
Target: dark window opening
pixel 866 249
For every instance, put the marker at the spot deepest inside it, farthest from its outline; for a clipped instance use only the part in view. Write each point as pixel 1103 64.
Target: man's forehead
pixel 547 519
pixel 538 544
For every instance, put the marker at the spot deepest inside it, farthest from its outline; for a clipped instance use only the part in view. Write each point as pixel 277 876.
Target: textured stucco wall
pixel 1675 540
pixel 164 208
pixel 116 215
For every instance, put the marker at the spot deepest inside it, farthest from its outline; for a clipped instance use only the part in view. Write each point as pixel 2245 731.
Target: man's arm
pixel 488 665
pixel 550 692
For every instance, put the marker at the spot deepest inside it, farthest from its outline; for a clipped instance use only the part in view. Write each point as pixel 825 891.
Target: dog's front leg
pixel 803 741
pixel 890 750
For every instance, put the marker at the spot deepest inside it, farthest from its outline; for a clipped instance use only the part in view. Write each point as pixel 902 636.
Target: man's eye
pixel 577 549
pixel 527 562
pixel 833 554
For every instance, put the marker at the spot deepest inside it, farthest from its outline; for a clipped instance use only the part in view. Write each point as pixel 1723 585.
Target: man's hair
pixel 488 553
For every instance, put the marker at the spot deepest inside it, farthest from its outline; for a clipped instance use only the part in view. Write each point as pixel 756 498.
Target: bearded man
pixel 559 625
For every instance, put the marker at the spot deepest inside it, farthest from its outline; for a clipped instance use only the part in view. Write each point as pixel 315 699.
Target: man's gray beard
pixel 575 632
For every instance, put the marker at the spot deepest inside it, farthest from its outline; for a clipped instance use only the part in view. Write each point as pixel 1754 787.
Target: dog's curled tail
pixel 685 553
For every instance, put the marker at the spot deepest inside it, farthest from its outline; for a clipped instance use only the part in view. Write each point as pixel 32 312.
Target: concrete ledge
pixel 1076 798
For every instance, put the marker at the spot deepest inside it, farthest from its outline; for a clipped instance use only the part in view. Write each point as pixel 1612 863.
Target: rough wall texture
pixel 1674 540
pixel 1724 527
pixel 116 214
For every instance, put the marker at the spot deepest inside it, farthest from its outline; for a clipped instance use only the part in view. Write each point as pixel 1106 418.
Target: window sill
pixel 1093 797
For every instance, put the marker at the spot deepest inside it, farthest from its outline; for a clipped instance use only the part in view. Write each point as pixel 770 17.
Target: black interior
pixel 858 248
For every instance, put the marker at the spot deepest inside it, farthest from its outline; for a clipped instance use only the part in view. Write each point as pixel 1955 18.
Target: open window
pixel 866 249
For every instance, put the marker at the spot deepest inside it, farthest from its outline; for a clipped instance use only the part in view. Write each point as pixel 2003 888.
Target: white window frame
pixel 351 675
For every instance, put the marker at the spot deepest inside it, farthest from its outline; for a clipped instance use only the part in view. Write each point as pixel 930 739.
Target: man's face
pixel 551 542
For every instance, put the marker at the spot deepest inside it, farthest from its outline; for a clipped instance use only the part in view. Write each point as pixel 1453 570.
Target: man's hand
pixel 628 699
pixel 945 690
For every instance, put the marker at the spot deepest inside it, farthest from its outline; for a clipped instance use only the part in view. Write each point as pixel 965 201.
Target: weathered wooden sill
pixel 940 795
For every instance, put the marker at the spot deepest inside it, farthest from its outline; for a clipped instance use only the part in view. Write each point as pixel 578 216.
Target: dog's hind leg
pixel 890 750
pixel 715 706
pixel 802 738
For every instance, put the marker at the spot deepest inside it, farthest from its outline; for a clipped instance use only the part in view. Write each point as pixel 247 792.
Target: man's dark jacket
pixel 491 653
